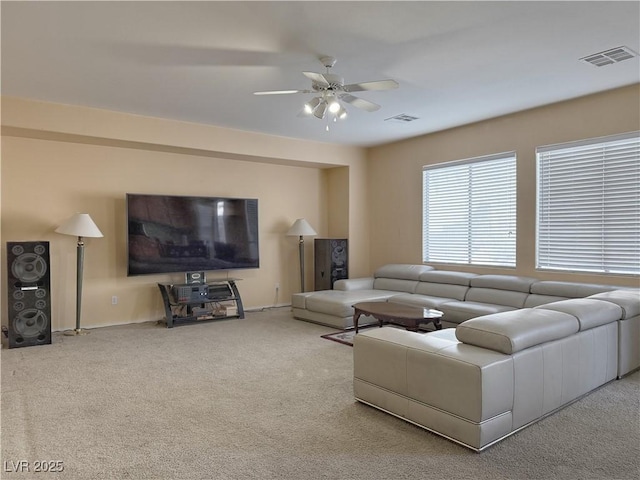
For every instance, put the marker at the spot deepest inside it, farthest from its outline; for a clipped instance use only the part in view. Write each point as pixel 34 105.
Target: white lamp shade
pixel 301 228
pixel 80 225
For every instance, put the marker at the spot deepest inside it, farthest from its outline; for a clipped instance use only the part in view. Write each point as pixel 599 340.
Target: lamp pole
pixel 301 250
pixel 79 271
pixel 300 228
pixel 79 225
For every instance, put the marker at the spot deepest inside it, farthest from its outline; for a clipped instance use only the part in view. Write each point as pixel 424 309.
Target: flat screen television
pixel 168 233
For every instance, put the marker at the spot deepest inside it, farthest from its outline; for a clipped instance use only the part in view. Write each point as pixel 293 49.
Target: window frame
pixel 573 149
pixel 478 253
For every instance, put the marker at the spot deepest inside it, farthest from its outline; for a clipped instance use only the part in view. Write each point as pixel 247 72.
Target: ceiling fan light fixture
pixel 310 106
pixel 334 105
pixel 320 110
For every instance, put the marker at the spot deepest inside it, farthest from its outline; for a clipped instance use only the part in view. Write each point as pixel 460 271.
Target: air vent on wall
pixel 609 57
pixel 402 118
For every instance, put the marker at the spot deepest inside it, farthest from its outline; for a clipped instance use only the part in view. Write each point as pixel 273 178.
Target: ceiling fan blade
pixel 377 85
pixel 360 102
pixel 317 77
pixel 282 92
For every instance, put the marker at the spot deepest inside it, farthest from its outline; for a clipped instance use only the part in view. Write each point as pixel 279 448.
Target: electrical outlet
pixel 114 300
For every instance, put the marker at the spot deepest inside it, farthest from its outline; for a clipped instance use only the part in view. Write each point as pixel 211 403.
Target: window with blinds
pixel 469 211
pixel 588 216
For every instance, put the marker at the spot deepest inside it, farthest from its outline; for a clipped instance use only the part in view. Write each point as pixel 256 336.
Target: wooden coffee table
pixel 404 315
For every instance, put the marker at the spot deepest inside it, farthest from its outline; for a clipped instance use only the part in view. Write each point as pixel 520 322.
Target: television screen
pixel 181 234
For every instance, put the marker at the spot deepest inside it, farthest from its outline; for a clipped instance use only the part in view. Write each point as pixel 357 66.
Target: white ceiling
pixel 456 62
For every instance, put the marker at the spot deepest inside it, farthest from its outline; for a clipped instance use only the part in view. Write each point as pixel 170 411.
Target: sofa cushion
pixel 533 300
pixel 445 276
pixel 340 303
pixel 401 271
pixel 457 311
pixel 395 284
pixel 299 300
pixel 365 283
pixel 589 312
pixel 568 289
pixel 454 292
pixel 628 300
pixel 431 341
pixel 495 296
pixel 510 332
pixel 439 286
pixel 504 282
pixel 424 301
pixel 446 290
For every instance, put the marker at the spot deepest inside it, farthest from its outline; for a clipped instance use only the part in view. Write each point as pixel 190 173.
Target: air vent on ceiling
pixel 402 118
pixel 609 57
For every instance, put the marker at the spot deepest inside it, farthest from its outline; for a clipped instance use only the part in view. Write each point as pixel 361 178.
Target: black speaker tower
pixel 29 294
pixel 331 261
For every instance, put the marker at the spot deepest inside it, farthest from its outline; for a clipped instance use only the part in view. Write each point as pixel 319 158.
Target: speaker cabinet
pixel 29 294
pixel 331 261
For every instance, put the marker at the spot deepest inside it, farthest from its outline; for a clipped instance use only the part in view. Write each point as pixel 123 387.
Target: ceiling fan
pixel 331 91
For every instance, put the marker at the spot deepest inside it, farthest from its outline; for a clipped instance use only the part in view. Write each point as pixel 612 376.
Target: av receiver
pixel 194 293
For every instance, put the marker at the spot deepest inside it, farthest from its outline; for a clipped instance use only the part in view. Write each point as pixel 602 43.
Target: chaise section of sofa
pixel 335 307
pixel 490 376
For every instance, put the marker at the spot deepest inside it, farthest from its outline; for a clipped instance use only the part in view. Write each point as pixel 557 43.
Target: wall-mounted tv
pixel 168 233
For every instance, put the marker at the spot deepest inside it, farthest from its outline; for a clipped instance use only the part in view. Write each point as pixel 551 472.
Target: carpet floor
pixel 264 398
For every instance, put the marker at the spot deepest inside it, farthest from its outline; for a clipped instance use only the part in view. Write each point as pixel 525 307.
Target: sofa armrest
pixel 364 283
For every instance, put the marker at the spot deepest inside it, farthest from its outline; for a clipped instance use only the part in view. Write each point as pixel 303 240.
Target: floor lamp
pixel 80 225
pixel 301 228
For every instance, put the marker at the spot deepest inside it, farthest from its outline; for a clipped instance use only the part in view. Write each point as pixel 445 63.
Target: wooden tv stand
pixel 195 302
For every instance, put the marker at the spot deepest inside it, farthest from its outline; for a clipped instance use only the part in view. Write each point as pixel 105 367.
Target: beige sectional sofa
pixel 520 348
pixel 460 295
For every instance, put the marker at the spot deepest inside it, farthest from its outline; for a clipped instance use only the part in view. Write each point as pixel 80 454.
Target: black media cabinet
pixel 195 302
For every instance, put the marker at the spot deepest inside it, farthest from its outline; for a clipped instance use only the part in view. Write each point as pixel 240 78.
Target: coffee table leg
pixel 356 317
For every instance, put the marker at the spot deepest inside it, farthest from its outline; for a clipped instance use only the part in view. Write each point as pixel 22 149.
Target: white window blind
pixel 589 205
pixel 469 211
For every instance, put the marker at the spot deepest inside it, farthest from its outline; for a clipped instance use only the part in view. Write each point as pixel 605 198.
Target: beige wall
pixel 338 202
pixel 396 173
pixel 57 160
